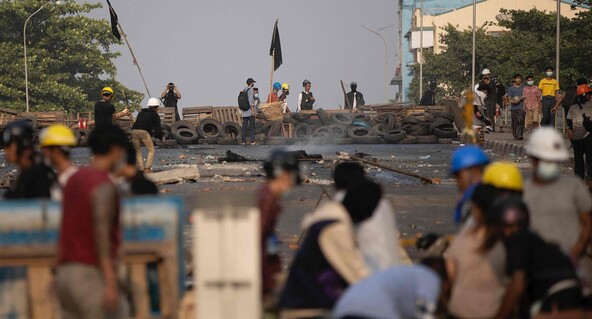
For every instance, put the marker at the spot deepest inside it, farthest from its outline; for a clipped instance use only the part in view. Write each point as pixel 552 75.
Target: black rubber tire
pixel 338 130
pixel 377 130
pixel 427 139
pixel 227 141
pixel 165 127
pixel 411 120
pixel 300 117
pixel 408 140
pixel 209 128
pixel 167 135
pixel 368 140
pixel 302 131
pixel 185 136
pixel 323 131
pixel 388 121
pixel 230 129
pixel 446 132
pixel 76 135
pixel 342 118
pixel 83 134
pixel 182 124
pixel 314 122
pixel 418 130
pixel 273 128
pixel 323 117
pixel 360 123
pixel 445 115
pixel 439 122
pixel 361 117
pixel 423 117
pixel 357 131
pixel 395 136
pixel 290 120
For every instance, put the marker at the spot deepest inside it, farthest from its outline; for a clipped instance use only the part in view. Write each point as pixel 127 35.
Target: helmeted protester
pixel 147 121
pixel 105 111
pixel 305 98
pixel 90 233
pixel 559 205
pixel 284 97
pixel 328 260
pixel 282 173
pixel 398 292
pixel 354 97
pixel 273 96
pixel 467 167
pixel 540 273
pixel 35 178
pixel 56 143
pixel 376 235
pixel 579 127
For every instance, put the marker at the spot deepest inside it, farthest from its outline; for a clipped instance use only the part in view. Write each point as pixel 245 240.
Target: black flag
pixel 114 21
pixel 276 47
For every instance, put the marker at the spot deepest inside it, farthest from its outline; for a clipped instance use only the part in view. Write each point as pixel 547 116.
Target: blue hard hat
pixel 466 157
pixel 277 86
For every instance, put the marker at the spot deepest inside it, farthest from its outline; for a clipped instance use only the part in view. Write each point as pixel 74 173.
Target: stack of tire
pixel 423 128
pixel 207 131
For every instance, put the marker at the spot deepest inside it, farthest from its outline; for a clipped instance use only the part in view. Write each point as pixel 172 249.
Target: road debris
pixel 173 176
pixel 232 157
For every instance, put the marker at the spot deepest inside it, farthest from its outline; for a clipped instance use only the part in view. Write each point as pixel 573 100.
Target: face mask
pixel 530 82
pixel 549 73
pixel 547 171
pixel 256 95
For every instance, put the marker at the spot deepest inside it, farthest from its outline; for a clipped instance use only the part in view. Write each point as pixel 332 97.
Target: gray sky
pixel 210 47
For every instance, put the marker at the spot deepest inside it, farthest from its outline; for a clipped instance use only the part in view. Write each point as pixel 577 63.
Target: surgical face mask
pixel 549 73
pixel 530 83
pixel 547 171
pixel 256 95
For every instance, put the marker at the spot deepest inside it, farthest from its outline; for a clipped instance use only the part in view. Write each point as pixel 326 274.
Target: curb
pixel 505 148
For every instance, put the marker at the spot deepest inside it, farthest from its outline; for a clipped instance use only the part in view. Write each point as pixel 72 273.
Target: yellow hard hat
pixel 285 86
pixel 108 90
pixel 503 175
pixel 57 135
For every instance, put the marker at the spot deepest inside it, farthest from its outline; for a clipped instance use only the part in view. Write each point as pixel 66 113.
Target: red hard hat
pixel 583 89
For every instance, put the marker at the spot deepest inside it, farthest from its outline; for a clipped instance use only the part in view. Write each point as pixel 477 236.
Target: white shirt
pixel 355 101
pixel 299 101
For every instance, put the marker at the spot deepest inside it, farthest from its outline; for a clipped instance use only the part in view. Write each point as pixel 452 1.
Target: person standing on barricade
pixel 305 98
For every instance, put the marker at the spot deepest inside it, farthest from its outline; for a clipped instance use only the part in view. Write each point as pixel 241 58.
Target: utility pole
pixel 420 57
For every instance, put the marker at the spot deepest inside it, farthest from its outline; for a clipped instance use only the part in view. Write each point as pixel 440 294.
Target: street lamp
pixel 385 62
pixel 25 48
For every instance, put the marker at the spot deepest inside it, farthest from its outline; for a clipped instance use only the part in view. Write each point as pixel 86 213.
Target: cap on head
pixel 107 89
pixel 467 157
pixel 305 82
pixel 503 175
pixel 281 161
pixel 353 84
pixel 153 102
pixel 547 144
pixel 486 72
pixel 20 132
pixel 57 135
pixel 250 80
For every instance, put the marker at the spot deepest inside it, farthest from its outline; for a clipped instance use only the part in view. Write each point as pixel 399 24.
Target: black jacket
pixel 148 120
pixel 359 99
pixel 34 182
pixel 104 113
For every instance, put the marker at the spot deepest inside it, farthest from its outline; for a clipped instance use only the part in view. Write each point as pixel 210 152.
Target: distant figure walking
pixel 550 88
pixel 171 96
pixel 354 97
pixel 305 99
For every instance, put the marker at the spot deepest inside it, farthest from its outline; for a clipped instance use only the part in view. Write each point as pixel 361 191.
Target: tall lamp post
pixel 385 62
pixel 25 48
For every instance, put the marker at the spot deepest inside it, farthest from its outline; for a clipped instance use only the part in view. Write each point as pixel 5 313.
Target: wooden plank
pixel 39 281
pixel 140 292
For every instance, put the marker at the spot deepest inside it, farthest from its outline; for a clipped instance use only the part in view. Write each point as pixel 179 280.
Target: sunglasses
pixel 106 94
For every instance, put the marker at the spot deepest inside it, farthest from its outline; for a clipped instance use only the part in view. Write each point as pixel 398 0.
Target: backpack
pixel 243 100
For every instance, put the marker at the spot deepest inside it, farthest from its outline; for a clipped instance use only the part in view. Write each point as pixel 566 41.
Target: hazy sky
pixel 210 47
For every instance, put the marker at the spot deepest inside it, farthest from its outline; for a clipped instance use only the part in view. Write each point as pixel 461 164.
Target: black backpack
pixel 243 100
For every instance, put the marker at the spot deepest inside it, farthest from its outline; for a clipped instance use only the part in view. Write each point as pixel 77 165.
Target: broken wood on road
pixel 424 179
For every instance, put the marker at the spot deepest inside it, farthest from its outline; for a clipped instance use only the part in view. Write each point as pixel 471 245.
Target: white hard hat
pixel 486 71
pixel 153 102
pixel 548 145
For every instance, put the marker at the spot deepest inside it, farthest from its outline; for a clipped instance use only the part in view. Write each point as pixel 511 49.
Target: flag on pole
pixel 114 21
pixel 276 47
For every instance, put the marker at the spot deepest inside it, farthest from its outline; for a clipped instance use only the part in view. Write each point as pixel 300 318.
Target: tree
pixel 69 57
pixel 527 48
